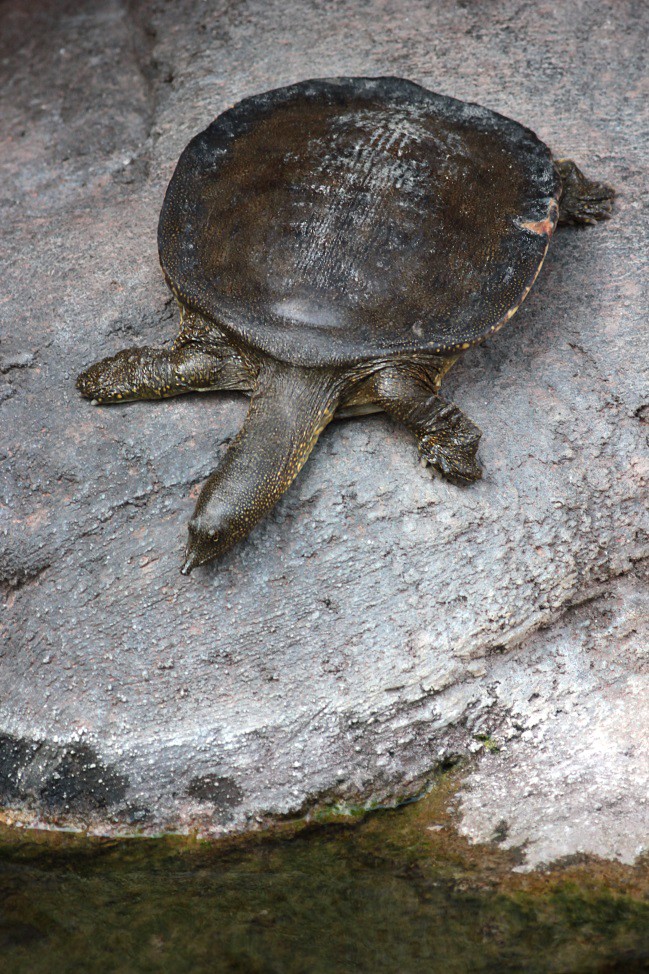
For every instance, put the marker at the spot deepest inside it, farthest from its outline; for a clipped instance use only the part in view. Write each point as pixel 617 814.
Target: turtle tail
pixel 288 410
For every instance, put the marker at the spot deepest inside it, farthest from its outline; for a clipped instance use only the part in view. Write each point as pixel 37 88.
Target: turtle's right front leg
pixel 156 373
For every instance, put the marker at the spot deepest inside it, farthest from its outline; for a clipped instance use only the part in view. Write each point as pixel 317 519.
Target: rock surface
pixel 380 621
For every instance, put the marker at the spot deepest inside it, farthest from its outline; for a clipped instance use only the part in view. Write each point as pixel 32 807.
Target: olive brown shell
pixel 344 220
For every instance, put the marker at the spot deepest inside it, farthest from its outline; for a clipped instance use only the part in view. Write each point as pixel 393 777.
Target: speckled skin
pixel 333 247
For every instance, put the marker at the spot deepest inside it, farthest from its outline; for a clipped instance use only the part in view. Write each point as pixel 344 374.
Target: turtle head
pixel 204 544
pixel 288 409
pixel 213 527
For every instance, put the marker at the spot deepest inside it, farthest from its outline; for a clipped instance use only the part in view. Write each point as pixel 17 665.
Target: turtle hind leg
pixel 446 438
pixel 156 373
pixel 583 201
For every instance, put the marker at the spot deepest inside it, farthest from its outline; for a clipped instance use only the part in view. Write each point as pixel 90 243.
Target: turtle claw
pixel 461 470
pixel 109 380
pixel 451 444
pixel 593 208
pixel 458 466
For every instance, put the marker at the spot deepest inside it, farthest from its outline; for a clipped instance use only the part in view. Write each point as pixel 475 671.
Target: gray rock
pixel 380 621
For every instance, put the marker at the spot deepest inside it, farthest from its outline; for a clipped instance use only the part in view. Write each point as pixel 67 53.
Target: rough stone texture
pixel 379 621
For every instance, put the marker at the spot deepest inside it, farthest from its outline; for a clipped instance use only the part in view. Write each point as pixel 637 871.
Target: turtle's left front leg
pixel 447 439
pixel 156 373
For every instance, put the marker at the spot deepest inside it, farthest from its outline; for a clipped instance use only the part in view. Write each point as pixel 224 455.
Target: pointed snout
pixel 191 561
pixel 202 547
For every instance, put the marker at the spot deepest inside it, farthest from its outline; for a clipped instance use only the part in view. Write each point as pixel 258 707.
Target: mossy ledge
pixel 371 891
pixel 421 826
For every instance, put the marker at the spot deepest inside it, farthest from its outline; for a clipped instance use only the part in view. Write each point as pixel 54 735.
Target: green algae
pixel 399 891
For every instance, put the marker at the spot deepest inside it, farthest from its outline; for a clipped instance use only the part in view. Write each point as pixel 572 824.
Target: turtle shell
pixel 349 219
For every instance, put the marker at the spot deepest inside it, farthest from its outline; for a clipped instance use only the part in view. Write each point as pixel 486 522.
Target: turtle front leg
pixel 582 200
pixel 156 373
pixel 446 438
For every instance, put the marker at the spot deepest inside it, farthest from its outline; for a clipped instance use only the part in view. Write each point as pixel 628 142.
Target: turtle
pixel 334 246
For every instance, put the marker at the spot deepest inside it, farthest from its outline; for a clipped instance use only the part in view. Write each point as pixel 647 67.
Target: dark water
pixel 393 894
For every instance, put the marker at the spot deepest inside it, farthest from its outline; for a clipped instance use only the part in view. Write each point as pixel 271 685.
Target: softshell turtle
pixel 334 246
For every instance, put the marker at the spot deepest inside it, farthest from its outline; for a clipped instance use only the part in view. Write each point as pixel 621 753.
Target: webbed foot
pixel 450 444
pixel 156 373
pixel 133 373
pixel 446 438
pixel 583 201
